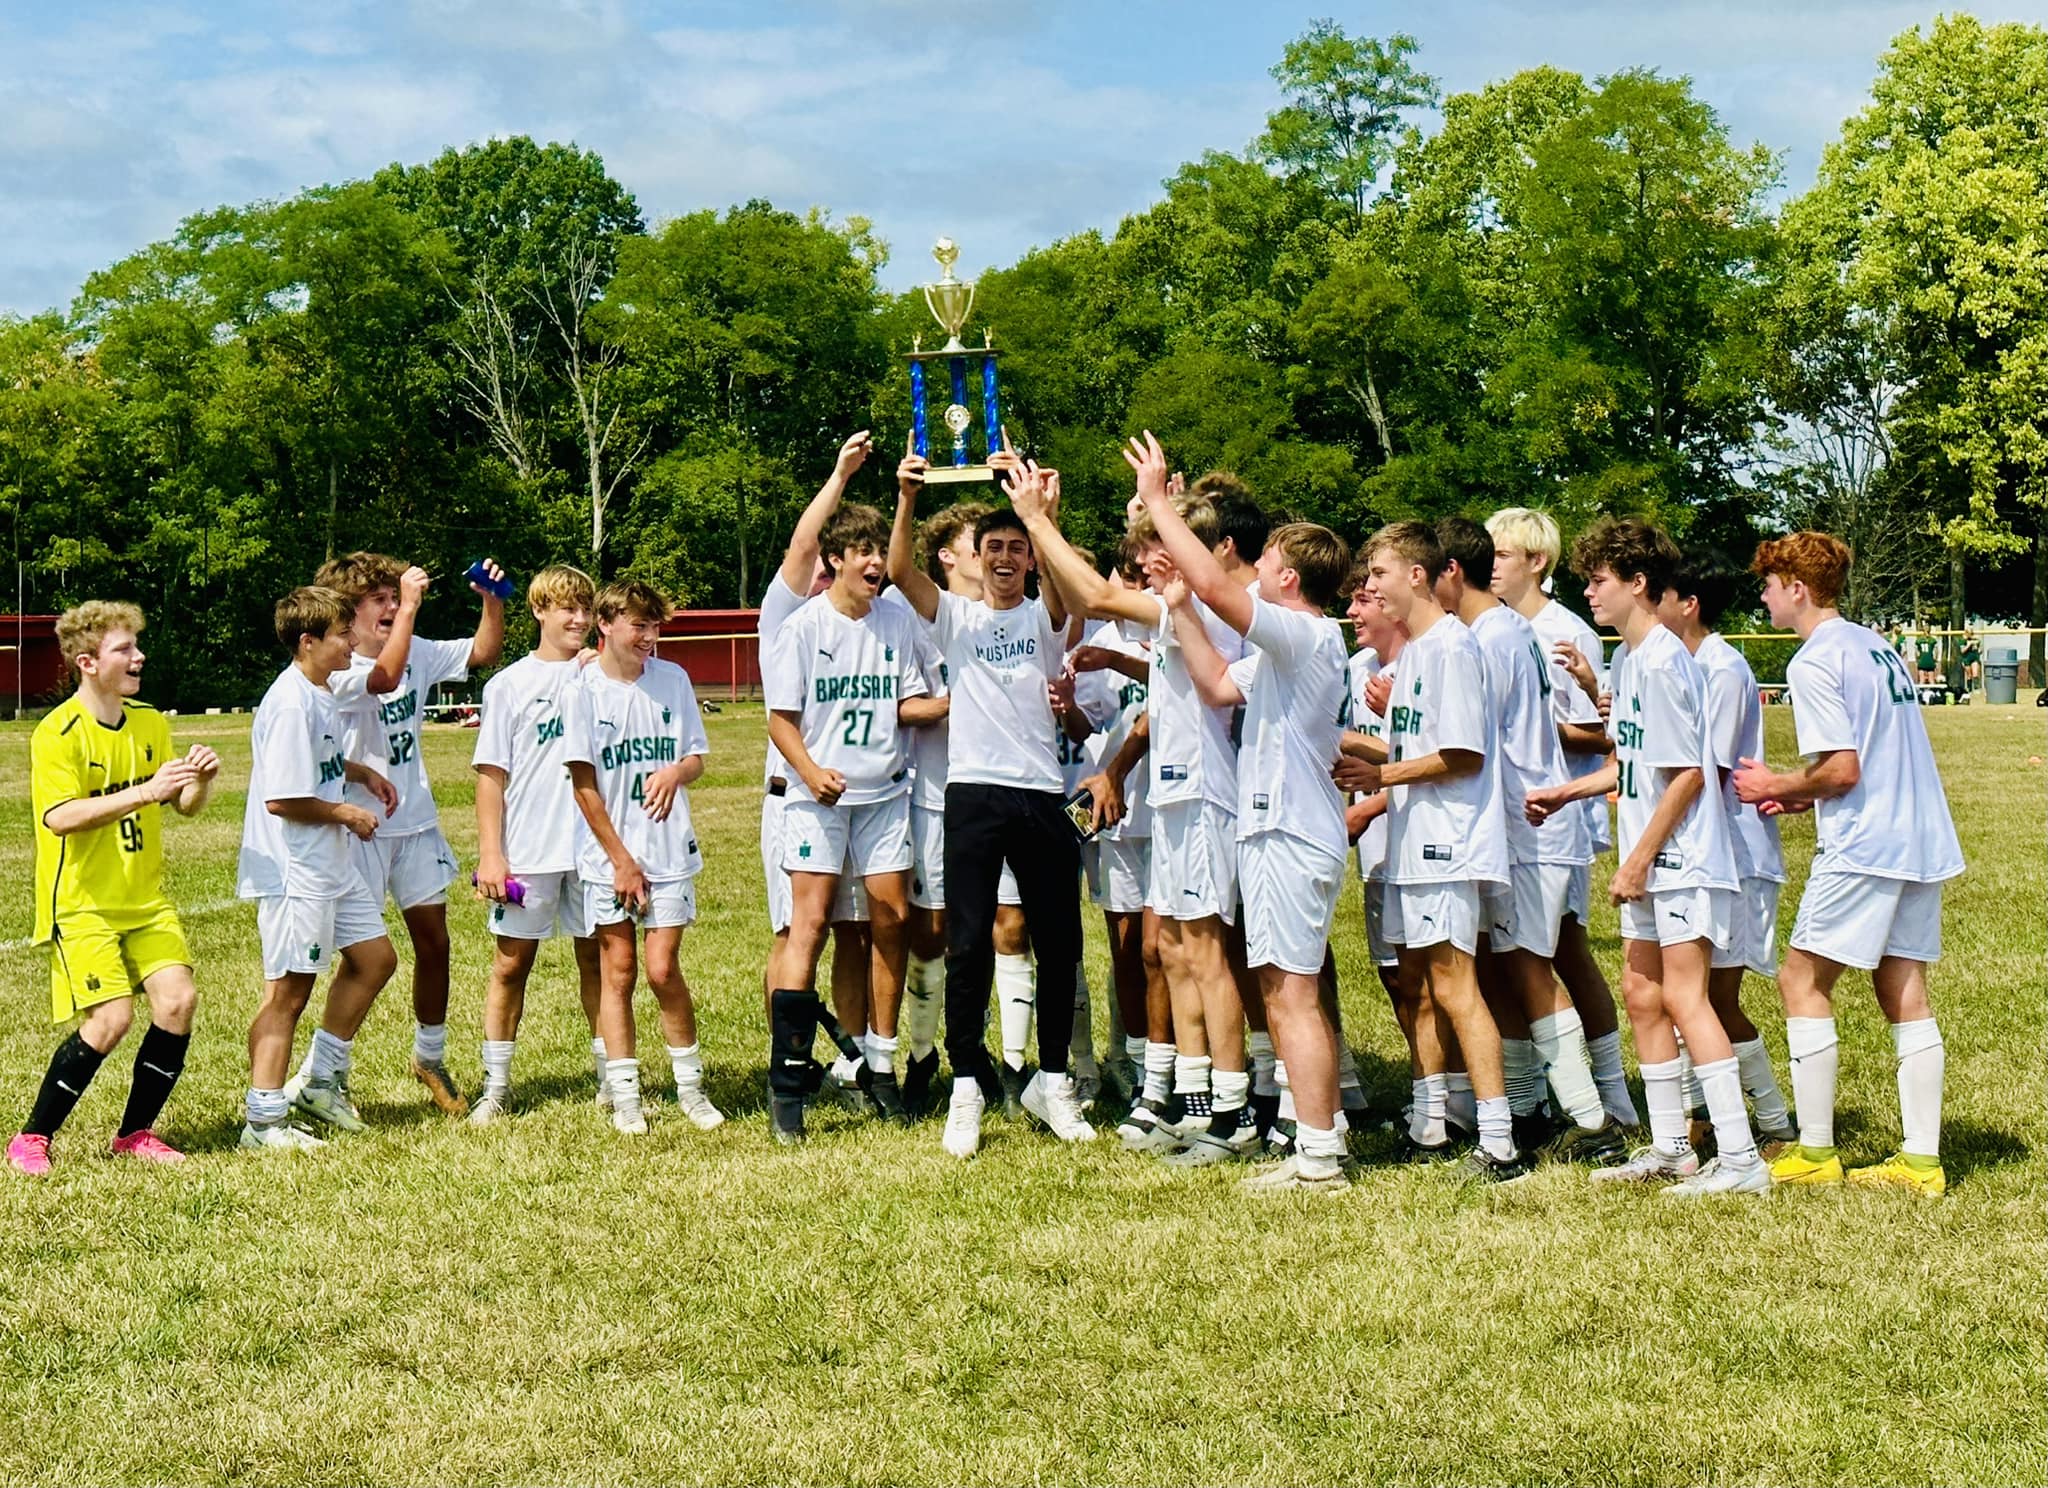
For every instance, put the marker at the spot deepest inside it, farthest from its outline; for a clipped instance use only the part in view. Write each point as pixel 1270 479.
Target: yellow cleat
pixel 1794 1166
pixel 1896 1172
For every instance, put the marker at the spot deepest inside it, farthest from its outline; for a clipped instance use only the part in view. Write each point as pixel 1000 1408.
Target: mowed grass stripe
pixel 543 1302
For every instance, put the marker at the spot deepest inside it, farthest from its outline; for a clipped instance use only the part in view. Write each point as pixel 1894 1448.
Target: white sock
pixel 1815 1059
pixel 881 1053
pixel 264 1107
pixel 1560 1041
pixel 1231 1088
pixel 1258 1048
pixel 1688 1078
pixel 1134 1052
pixel 1922 1059
pixel 1158 1071
pixel 924 988
pixel 1604 1053
pixel 1286 1112
pixel 687 1065
pixel 1016 994
pixel 597 1059
pixel 430 1042
pixel 1426 1119
pixel 1760 1084
pixel 329 1055
pixel 1191 1082
pixel 1721 1085
pixel 497 1066
pixel 1081 1043
pixel 1496 1127
pixel 1318 1150
pixel 1663 1096
pixel 1523 1070
pixel 1460 1104
pixel 622 1078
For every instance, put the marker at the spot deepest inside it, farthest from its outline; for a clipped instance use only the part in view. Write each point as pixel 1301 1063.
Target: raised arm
pixel 1206 667
pixel 489 642
pixel 904 573
pixel 1080 587
pixel 389 668
pixel 800 559
pixel 1204 575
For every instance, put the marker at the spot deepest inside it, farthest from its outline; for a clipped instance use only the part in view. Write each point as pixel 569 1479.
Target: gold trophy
pixel 951 301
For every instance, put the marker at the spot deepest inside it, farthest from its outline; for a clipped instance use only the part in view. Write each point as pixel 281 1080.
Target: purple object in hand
pixel 515 891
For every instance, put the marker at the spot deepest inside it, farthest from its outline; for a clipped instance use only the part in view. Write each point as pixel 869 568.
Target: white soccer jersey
pixel 1554 623
pixel 999 662
pixel 1193 756
pixel 1130 707
pixel 1365 665
pixel 845 679
pixel 1294 684
pixel 627 731
pixel 1851 691
pixel 1735 726
pixel 1096 699
pixel 524 732
pixel 1445 831
pixel 1659 723
pixel 295 754
pixel 929 742
pixel 777 605
pixel 387 726
pixel 1531 756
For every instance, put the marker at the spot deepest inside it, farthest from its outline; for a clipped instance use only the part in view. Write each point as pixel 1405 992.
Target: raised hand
pixel 1007 457
pixel 412 587
pixel 1025 486
pixel 911 468
pixel 1148 461
pixel 1581 670
pixel 491 572
pixel 853 454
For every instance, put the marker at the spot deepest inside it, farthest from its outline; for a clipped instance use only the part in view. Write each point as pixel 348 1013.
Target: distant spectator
pixel 1925 670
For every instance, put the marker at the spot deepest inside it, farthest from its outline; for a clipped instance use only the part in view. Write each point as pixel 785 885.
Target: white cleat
pixel 1650 1165
pixel 697 1106
pixel 629 1122
pixel 1051 1101
pixel 490 1106
pixel 1288 1176
pixel 963 1120
pixel 1718 1177
pixel 277 1136
pixel 604 1094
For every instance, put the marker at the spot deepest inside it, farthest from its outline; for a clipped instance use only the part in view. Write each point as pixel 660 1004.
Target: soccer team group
pixel 970 726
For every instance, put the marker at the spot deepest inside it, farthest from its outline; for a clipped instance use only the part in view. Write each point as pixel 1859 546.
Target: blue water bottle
pixel 500 588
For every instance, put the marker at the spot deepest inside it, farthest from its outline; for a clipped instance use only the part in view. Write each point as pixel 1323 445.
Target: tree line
pixel 1576 294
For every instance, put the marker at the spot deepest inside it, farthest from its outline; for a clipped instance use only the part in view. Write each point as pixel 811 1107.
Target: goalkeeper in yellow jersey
pixel 101 770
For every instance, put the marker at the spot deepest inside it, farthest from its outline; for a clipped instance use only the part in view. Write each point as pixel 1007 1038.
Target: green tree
pixel 1345 100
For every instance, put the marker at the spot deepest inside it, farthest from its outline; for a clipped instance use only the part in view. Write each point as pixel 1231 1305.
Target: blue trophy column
pixel 919 439
pixel 991 414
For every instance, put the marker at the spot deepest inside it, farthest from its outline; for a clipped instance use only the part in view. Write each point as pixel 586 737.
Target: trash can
pixel 2001 674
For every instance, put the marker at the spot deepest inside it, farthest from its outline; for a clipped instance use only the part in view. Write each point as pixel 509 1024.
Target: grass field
pixel 545 1302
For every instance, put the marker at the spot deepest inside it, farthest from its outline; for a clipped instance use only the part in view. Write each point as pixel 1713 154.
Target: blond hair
pixel 1198 512
pixel 355 574
pixel 559 584
pixel 633 597
pixel 81 628
pixel 1534 532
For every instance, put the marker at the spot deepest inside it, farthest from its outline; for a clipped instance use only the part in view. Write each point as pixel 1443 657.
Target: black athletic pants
pixel 987 825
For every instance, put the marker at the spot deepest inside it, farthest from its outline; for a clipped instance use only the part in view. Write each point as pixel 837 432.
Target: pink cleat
pixel 146 1145
pixel 30 1154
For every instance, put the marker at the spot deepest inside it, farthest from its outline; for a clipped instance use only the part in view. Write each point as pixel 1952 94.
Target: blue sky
pixel 1004 123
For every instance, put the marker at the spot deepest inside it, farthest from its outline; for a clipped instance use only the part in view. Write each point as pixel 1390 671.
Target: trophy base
pixel 946 475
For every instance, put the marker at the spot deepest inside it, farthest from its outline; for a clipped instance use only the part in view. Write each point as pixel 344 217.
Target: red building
pixel 31 669
pixel 718 648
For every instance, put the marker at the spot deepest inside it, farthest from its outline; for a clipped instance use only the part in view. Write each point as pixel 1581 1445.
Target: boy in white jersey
pixel 842 685
pixel 1193 871
pixel 526 826
pixel 1542 1039
pixel 1290 834
pixel 802 575
pixel 1677 881
pixel 409 859
pixel 1886 844
pixel 636 742
pixel 1526 548
pixel 1700 590
pixel 1440 765
pixel 1370 672
pixel 295 863
pixel 1003 803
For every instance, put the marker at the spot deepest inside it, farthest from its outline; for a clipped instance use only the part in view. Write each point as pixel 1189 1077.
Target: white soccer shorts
pixel 1194 862
pixel 1290 901
pixel 551 906
pixel 671 905
pixel 927 857
pixel 1123 870
pixel 860 840
pixel 1857 919
pixel 1526 914
pixel 1383 951
pixel 1427 914
pixel 415 869
pixel 849 904
pixel 300 936
pixel 1674 916
pixel 1755 942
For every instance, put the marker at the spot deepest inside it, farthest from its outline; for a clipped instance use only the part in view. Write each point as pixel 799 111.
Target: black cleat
pixel 1596 1146
pixel 1481 1166
pixel 1265 1111
pixel 1408 1150
pixel 1014 1081
pixel 1538 1129
pixel 881 1088
pixel 788 1114
pixel 918 1078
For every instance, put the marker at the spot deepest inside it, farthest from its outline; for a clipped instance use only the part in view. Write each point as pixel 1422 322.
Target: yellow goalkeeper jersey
pixel 112 872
